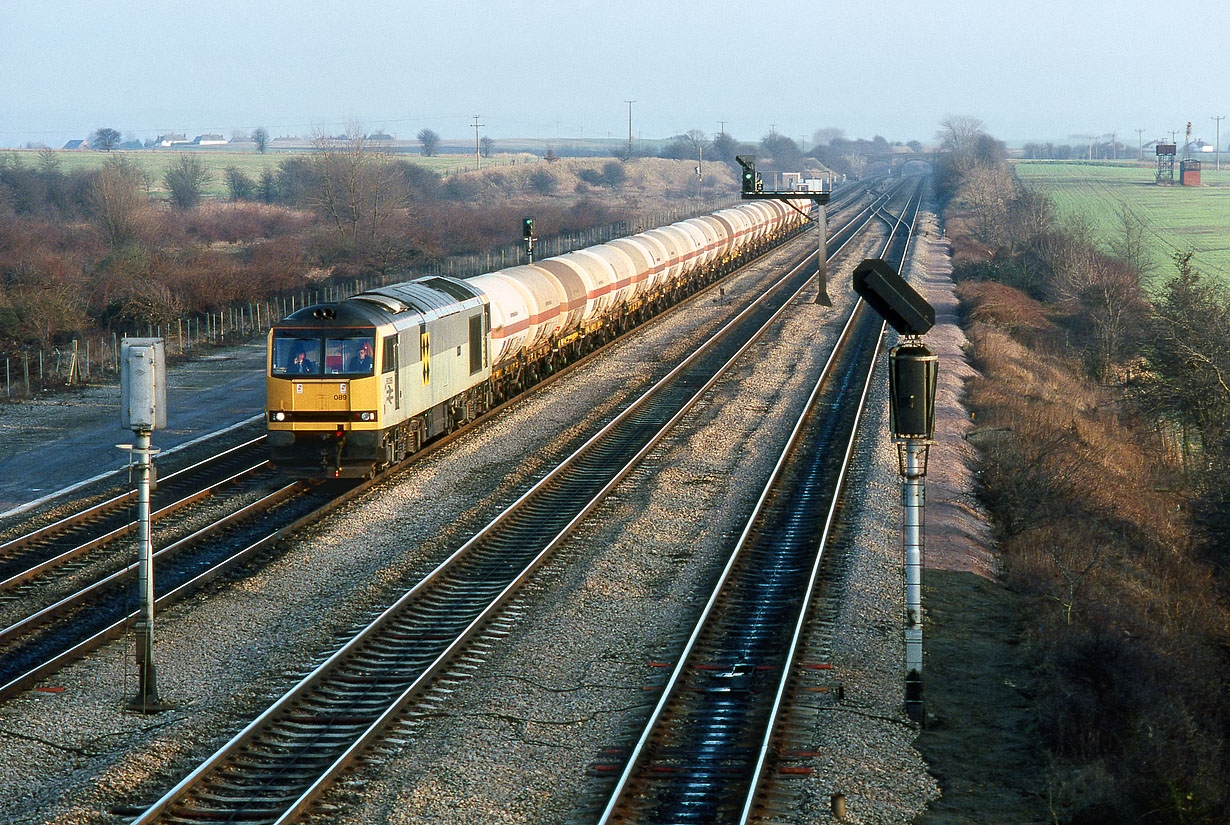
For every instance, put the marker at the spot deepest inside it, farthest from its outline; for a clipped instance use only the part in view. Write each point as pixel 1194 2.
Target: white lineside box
pixel 143 384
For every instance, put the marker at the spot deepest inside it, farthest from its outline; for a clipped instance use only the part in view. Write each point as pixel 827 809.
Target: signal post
pixel 527 233
pixel 912 376
pixel 753 189
pixel 143 392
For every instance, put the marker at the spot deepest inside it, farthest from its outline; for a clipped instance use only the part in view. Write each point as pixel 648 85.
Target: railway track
pixel 275 769
pixel 100 609
pixel 70 542
pixel 712 748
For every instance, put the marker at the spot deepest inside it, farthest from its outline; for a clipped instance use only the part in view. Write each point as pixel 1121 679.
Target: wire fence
pixel 95 358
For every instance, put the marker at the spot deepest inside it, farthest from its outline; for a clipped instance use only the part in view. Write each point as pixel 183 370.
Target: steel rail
pixel 441 661
pixel 766 745
pixel 107 511
pixel 15 631
pixel 111 503
pixel 99 541
pixel 8 634
pixel 18 683
pixel 649 731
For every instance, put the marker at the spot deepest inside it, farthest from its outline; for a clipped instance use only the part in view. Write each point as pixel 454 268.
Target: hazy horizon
pixel 1031 71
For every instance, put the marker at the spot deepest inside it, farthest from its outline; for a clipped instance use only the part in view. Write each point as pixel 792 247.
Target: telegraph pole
pixel 1140 144
pixel 476 150
pixel 722 124
pixel 629 102
pixel 1217 140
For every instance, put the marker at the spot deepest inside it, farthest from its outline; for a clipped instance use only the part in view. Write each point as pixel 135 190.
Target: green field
pixel 1177 218
pixel 155 162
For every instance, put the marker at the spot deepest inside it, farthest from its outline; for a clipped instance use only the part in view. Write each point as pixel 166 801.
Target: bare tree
pixel 430 141
pixel 260 136
pixel 698 141
pixel 239 185
pixel 1132 246
pixel 988 192
pixel 1116 306
pixel 186 180
pixel 105 139
pixel 117 205
pixel 957 133
pixel 486 146
pixel 47 308
pixel 360 192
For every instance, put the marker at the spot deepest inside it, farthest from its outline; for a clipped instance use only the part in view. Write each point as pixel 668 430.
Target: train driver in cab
pixel 363 360
pixel 300 363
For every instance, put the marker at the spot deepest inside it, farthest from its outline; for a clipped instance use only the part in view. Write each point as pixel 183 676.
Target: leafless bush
pixel 118 204
pixel 186 180
pixel 242 222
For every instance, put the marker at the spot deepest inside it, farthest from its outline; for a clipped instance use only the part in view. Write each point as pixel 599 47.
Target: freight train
pixel 357 385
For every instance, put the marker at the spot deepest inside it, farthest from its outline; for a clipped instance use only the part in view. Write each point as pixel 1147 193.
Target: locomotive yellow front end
pixel 323 399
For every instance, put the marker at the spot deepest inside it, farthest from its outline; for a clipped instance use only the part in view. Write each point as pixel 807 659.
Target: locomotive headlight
pixel 279 416
pixel 368 416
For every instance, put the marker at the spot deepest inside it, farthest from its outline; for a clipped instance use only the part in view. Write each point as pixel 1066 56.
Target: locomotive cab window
pixel 296 355
pixel 350 356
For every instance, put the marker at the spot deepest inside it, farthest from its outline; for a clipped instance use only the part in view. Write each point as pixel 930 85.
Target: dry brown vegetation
pixel 1123 602
pixel 86 253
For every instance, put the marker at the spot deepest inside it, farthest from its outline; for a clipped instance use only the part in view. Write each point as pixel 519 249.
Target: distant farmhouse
pixel 170 139
pixel 209 140
pixel 77 144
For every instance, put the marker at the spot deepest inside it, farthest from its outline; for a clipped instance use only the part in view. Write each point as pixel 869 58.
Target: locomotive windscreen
pixel 297 353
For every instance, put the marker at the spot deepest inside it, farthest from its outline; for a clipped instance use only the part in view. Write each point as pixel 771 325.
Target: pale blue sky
pixel 534 69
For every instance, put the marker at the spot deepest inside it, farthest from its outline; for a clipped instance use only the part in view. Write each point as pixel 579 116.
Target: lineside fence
pixel 95 358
